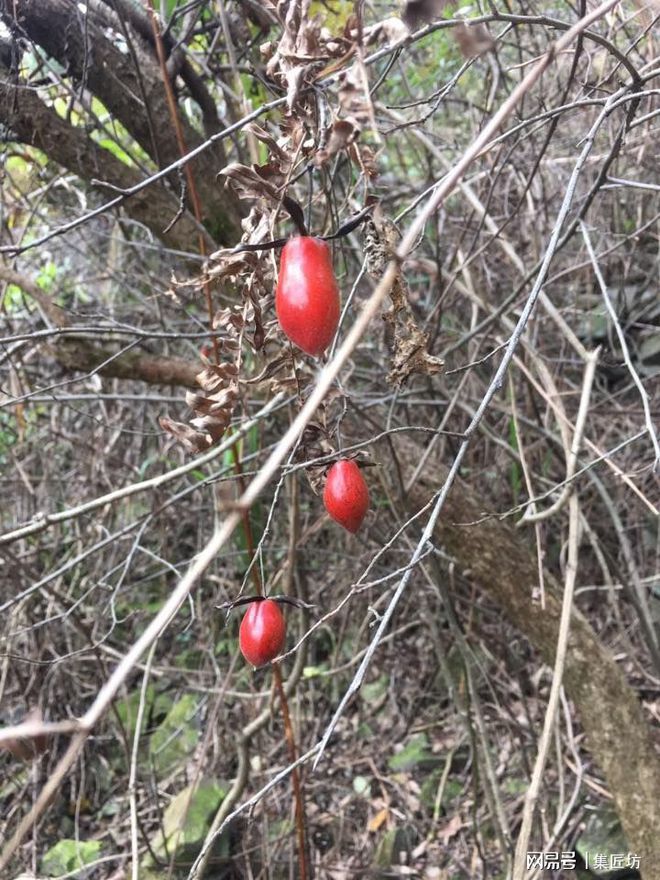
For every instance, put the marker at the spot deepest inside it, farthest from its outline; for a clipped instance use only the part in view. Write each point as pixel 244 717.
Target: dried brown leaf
pixel 304 48
pixel 27 748
pixel 473 40
pixel 390 31
pixel 365 158
pixel 193 440
pixel 353 100
pixel 408 344
pixel 249 182
pixel 451 829
pixel 411 356
pixel 271 369
pixel 340 136
pixel 379 819
pixel 275 150
pixel 418 12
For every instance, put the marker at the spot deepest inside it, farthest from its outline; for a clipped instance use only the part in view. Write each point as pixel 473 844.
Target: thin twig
pixel 519 865
pixel 532 516
pixel 624 347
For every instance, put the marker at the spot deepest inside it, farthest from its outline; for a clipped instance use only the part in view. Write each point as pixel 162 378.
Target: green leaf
pixel 362 786
pixel 186 822
pixel 334 13
pixel 47 274
pixel 176 737
pixel 69 855
pixel 114 148
pixel 314 671
pixel 415 752
pixel 13 298
pixel 602 836
pixel 429 791
pixel 374 690
pixel 156 705
pixel 395 846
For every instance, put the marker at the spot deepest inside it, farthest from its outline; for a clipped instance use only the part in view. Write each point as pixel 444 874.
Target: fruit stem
pixel 295 774
pixel 284 703
pixel 296 213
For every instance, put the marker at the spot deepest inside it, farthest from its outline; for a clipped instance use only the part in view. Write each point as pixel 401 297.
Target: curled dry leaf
pixel 365 158
pixel 27 748
pixel 341 135
pixel 304 48
pixel 270 370
pixel 254 276
pixel 473 39
pixel 354 112
pixel 408 344
pixel 410 353
pixel 194 441
pixel 316 441
pixel 266 183
pixel 298 50
pixel 213 409
pixel 213 406
pixel 232 320
pixel 390 31
pixel 353 101
pixel 418 12
pixel 276 150
pixel 256 181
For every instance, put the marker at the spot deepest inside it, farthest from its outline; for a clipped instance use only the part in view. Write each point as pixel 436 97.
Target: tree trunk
pixel 130 86
pixel 497 559
pixel 32 122
pixel 80 355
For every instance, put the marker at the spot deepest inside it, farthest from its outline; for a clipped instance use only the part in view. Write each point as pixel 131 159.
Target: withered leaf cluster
pixel 408 343
pixel 473 39
pixel 248 274
pixel 304 50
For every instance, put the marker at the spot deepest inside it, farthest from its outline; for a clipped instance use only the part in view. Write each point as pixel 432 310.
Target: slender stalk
pixel 295 773
pixel 188 167
pixel 277 676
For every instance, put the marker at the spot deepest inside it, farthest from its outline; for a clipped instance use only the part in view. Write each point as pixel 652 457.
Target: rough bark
pixel 134 94
pixel 34 123
pixel 109 11
pixel 498 559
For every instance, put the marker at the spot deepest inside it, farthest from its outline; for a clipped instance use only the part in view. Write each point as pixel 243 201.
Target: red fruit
pixel 345 495
pixel 262 632
pixel 307 296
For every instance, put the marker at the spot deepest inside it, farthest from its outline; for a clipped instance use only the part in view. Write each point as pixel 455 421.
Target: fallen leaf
pixel 451 829
pixel 378 820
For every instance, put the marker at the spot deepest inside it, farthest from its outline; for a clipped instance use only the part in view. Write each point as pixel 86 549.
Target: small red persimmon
pixel 345 495
pixel 262 633
pixel 307 296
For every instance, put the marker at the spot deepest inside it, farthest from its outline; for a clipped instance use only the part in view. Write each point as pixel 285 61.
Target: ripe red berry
pixel 345 495
pixel 262 632
pixel 307 296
